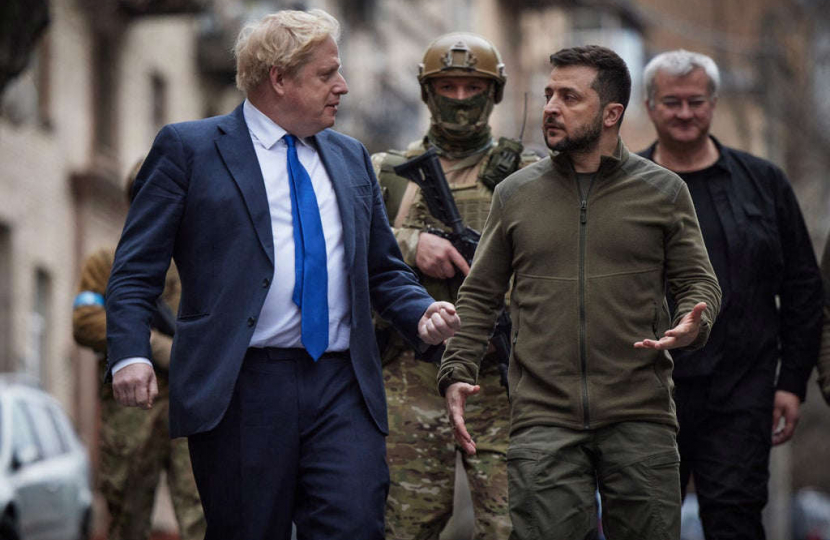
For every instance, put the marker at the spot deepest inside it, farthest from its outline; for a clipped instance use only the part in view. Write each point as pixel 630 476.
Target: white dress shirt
pixel 279 323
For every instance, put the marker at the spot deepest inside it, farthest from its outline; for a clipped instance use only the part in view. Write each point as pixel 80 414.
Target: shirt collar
pixel 722 161
pixel 262 128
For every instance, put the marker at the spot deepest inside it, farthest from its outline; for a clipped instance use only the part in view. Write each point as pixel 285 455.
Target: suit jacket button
pixel 265 283
pixel 251 321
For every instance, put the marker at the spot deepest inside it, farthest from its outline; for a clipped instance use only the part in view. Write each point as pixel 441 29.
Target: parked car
pixel 45 491
pixel 811 515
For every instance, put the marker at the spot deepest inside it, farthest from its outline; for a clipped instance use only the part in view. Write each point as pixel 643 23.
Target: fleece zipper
pixel 583 323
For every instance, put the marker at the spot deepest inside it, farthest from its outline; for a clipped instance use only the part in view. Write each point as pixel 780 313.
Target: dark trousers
pixel 725 445
pixel 297 444
pixel 554 472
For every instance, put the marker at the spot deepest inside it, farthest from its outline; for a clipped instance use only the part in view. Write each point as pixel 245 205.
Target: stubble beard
pixel 584 140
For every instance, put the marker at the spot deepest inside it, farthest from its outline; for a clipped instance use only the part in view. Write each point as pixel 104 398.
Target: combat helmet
pixel 462 54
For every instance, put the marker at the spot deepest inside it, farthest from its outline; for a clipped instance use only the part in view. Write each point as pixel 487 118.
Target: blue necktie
pixel 311 279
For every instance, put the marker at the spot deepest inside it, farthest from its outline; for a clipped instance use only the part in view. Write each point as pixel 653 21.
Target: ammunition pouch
pixel 503 161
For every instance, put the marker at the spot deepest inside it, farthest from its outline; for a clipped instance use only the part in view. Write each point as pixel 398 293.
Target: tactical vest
pixel 471 179
pixel 491 166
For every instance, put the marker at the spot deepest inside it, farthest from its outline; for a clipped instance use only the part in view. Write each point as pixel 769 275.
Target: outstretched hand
pixel 456 398
pixel 681 335
pixel 439 322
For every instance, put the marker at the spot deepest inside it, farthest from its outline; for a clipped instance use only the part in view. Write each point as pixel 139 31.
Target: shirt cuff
pixel 129 361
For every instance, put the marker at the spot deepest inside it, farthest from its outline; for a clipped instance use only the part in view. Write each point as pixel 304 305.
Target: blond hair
pixel 284 40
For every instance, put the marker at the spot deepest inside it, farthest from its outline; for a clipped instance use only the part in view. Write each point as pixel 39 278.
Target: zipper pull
pixel 583 212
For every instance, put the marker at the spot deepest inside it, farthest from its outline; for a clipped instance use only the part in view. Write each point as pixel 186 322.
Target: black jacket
pixel 770 255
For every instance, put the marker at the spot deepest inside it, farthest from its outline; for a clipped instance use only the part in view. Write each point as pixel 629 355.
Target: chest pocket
pixel 761 240
pixel 362 206
pixel 362 191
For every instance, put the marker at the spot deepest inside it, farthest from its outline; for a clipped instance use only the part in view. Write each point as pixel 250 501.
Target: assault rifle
pixel 425 170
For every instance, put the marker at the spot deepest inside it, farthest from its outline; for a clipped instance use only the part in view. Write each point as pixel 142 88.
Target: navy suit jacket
pixel 200 199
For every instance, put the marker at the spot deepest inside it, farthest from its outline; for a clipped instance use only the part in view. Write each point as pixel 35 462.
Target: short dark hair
pixel 613 81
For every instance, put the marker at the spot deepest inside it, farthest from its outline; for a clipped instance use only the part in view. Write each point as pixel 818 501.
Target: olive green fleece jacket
pixel 588 281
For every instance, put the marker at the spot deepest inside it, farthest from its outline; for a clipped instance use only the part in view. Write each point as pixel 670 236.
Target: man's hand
pixel 681 335
pixel 135 386
pixel 438 323
pixel 787 407
pixel 437 258
pixel 456 397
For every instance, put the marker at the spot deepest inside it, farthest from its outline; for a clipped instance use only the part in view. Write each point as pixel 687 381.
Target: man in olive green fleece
pixel 592 236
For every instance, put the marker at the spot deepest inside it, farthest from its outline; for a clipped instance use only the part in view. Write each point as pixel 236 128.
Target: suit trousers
pixel 297 444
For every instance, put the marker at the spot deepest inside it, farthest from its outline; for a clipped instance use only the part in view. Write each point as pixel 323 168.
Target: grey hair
pixel 285 40
pixel 679 63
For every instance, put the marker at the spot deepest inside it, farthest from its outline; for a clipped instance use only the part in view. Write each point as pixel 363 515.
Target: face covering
pixel 459 127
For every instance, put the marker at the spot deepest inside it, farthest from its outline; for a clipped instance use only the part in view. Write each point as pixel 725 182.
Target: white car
pixel 45 491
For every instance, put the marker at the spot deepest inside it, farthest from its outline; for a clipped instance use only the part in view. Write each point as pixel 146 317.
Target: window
pixel 24 442
pixel 105 64
pixel 25 100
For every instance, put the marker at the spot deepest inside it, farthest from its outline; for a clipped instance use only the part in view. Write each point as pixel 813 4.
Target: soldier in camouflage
pixel 462 77
pixel 135 444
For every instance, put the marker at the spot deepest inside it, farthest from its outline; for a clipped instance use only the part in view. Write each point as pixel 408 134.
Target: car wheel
pixel 8 527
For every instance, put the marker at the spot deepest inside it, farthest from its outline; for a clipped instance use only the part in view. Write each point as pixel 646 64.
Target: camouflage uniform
pixel 135 445
pixel 420 448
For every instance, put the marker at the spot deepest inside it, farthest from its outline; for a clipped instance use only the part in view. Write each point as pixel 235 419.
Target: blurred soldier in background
pixel 462 77
pixel 135 444
pixel 733 400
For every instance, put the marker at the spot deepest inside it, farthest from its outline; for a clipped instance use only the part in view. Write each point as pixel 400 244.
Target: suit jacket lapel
pixel 237 150
pixel 338 172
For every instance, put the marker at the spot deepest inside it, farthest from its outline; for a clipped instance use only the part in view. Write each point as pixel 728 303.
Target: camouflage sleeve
pixel 377 162
pixel 408 242
pixel 89 320
pixel 89 324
